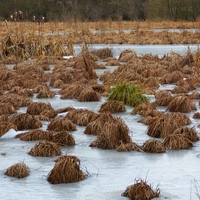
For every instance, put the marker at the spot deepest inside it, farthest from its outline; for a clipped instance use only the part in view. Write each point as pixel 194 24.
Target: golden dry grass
pixel 66 170
pixel 45 149
pixel 140 190
pixel 18 170
pixel 153 146
pixel 112 106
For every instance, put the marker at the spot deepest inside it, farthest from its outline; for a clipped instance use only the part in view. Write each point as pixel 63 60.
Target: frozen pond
pixel 176 173
pixel 159 50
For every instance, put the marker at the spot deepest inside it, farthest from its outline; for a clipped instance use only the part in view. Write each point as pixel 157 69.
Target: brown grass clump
pixel 34 135
pixel 177 142
pixel 63 138
pixel 153 146
pixel 7 108
pixel 66 170
pixel 81 117
pixel 25 121
pixel 165 124
pixel 196 115
pixel 45 149
pixel 5 126
pixel 181 104
pixel 112 134
pixel 163 98
pixel 36 108
pixel 61 124
pixel 112 106
pixel 88 94
pixel 188 132
pixel 18 170
pixel 131 146
pixel 45 94
pixel 103 53
pixel 141 191
pixel 143 108
pixel 127 55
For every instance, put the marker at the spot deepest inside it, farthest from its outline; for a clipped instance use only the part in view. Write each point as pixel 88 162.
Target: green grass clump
pixel 129 93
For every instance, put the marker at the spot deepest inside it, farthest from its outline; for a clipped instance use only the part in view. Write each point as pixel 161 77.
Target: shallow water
pixel 176 173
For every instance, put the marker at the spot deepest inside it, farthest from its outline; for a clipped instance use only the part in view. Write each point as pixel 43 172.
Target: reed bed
pixel 35 135
pixel 153 146
pixel 18 170
pixel 66 170
pixel 25 121
pixel 45 149
pixel 61 124
pixel 140 190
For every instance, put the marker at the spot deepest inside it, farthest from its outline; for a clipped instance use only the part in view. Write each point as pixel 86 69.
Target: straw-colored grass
pixel 131 146
pixel 112 106
pixel 196 115
pixel 61 124
pixel 5 126
pixel 36 108
pixel 177 142
pixel 112 134
pixel 153 146
pixel 140 190
pixel 7 108
pixel 66 170
pixel 35 135
pixel 18 170
pixel 181 104
pixel 188 132
pixel 45 149
pixel 88 94
pixel 25 121
pixel 63 138
pixel 143 108
pixel 103 53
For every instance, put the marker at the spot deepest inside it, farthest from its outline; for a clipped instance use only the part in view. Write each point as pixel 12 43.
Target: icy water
pixel 175 173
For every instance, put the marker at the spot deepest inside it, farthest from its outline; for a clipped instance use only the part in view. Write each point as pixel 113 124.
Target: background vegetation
pixel 93 10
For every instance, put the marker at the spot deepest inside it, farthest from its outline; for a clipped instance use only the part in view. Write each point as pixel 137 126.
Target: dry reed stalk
pixel 112 134
pixel 61 124
pixel 66 170
pixel 45 149
pixel 25 121
pixel 153 146
pixel 189 133
pixel 88 94
pixel 35 135
pixel 63 138
pixel 112 106
pixel 18 170
pixel 128 147
pixel 181 104
pixel 177 142
pixel 140 190
pixel 36 108
pixel 6 126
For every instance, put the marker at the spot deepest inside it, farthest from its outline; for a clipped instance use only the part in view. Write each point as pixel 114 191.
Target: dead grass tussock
pixel 196 115
pixel 61 124
pixel 63 138
pixel 112 106
pixel 34 135
pixel 112 134
pixel 103 53
pixel 45 149
pixel 25 121
pixel 142 108
pixel 5 126
pixel 7 108
pixel 188 132
pixel 88 94
pixel 66 170
pixel 131 146
pixel 36 108
pixel 140 190
pixel 177 142
pixel 153 146
pixel 18 170
pixel 181 104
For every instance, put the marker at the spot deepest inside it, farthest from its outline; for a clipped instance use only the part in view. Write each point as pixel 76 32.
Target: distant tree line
pixel 94 10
